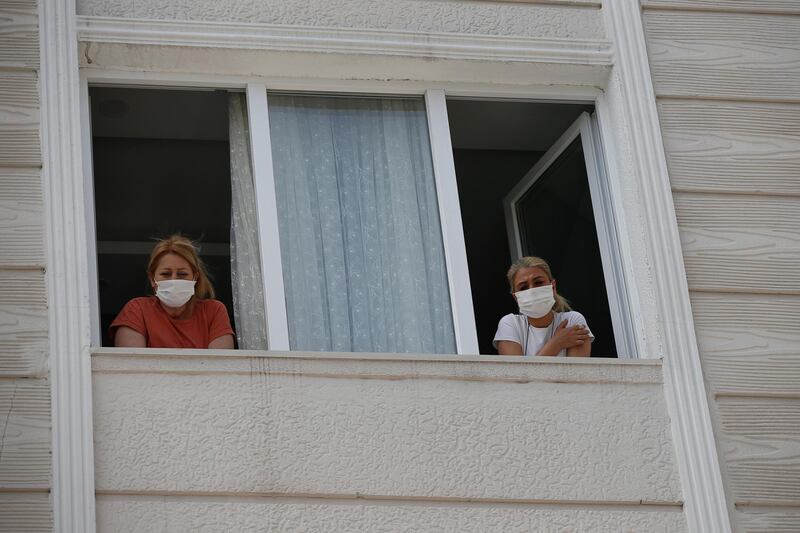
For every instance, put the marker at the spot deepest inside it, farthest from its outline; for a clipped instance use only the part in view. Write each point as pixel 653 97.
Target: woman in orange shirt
pixel 183 313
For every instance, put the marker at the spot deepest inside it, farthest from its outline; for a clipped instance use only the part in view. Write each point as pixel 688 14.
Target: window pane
pixel 556 221
pixel 361 245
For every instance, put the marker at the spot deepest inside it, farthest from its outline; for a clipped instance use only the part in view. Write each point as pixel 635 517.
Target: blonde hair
pixel 529 261
pixel 181 246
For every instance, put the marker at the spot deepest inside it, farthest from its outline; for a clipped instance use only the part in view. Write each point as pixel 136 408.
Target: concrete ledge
pixel 382 366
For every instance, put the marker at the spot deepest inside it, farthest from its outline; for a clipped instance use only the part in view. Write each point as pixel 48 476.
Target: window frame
pixel 462 306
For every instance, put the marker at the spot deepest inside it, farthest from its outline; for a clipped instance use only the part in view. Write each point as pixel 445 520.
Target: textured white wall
pixel 429 16
pixel 582 443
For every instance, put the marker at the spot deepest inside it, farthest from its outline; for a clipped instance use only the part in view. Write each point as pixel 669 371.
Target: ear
pixel 554 287
pixel 153 284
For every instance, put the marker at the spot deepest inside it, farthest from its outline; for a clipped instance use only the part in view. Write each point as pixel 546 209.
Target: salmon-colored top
pixel 145 315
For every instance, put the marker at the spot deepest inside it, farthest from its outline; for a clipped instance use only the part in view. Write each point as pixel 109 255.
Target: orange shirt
pixel 145 315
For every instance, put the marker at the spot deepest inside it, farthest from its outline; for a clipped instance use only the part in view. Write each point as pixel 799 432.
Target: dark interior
pixel 161 166
pixel 495 144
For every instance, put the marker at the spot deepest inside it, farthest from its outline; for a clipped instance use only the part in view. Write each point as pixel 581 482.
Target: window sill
pixel 377 365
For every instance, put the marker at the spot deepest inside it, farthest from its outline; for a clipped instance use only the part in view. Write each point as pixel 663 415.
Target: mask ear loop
pixel 527 331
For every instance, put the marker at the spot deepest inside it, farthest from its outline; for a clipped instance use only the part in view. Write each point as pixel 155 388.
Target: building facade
pixel 696 105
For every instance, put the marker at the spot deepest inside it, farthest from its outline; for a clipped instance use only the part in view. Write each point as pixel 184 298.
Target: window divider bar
pixel 603 209
pixel 450 216
pixel 96 334
pixel 267 214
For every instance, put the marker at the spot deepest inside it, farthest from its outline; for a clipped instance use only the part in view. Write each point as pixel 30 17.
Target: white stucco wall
pixel 364 441
pixel 427 16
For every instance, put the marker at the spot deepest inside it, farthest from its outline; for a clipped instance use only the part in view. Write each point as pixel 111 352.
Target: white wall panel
pixel 25 441
pixel 21 218
pixel 19 118
pixel 731 55
pixel 754 6
pixel 380 430
pixel 488 18
pixel 23 323
pixel 19 34
pixel 28 512
pixel 760 438
pixel 740 243
pixel 732 146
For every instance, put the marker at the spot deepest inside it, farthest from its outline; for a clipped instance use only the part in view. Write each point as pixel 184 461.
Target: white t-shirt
pixel 516 328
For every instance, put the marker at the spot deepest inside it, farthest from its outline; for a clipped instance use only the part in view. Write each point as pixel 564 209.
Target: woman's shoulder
pixel 512 318
pixel 572 317
pixel 141 302
pixel 210 305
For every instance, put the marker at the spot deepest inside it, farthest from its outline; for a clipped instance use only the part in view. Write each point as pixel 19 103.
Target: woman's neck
pixel 542 321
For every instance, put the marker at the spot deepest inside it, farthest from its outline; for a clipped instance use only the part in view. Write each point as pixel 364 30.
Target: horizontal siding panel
pixel 736 147
pixel 769 521
pixel 725 55
pixel 29 512
pixel 760 440
pixel 755 6
pixel 755 375
pixel 23 323
pixel 21 218
pixel 740 243
pixel 19 120
pixel 25 406
pixel 19 34
pixel 750 343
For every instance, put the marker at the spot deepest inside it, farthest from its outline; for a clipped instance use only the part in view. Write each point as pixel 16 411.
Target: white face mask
pixel 175 292
pixel 536 302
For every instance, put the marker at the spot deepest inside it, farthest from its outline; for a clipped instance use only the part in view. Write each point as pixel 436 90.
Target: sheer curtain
pixel 248 300
pixel 361 243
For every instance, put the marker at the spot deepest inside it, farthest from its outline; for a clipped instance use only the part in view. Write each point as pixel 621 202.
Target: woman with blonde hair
pixel 183 312
pixel 546 325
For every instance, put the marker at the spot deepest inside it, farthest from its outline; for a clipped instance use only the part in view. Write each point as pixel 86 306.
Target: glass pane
pixel 361 244
pixel 556 222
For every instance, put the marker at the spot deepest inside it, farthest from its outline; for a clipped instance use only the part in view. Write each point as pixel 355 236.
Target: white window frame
pixel 585 127
pixel 629 122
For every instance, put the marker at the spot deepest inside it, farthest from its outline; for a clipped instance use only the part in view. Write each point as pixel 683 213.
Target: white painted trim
pixel 698 464
pixel 603 207
pixel 455 249
pixel 267 213
pixel 182 80
pixel 343 40
pixel 88 203
pixel 69 329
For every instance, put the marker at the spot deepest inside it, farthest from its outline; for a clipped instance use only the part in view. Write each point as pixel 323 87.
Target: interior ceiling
pixel 202 115
pixel 505 125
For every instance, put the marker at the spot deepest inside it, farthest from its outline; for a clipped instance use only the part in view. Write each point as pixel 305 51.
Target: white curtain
pixel 361 242
pixel 248 300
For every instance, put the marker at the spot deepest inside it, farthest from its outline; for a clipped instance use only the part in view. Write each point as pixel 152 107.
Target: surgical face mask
pixel 175 292
pixel 536 302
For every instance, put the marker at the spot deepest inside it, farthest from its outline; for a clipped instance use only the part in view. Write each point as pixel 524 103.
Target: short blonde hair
pixel 179 245
pixel 530 261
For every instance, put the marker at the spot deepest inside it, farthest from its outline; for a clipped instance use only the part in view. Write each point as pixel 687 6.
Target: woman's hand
pixel 565 338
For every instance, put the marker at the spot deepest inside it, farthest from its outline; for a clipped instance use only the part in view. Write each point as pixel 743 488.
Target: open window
pixel 161 165
pixel 530 177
